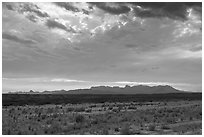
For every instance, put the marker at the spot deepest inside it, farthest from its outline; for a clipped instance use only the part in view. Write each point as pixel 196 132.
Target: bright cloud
pixel 66 80
pixel 190 27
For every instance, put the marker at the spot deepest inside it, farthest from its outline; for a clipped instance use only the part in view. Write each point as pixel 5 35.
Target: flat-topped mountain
pixel 139 89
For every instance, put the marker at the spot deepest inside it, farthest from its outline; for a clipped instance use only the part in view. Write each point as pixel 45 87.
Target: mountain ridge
pixel 137 89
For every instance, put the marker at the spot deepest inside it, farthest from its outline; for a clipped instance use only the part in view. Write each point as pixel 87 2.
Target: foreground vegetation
pixel 147 117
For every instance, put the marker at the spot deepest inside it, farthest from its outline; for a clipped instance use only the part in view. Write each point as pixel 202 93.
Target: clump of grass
pixel 117 129
pixel 80 109
pixel 105 132
pixel 164 126
pixel 79 118
pixel 88 110
pixel 125 130
pixel 8 132
pixel 151 127
pixel 19 133
pixel 69 109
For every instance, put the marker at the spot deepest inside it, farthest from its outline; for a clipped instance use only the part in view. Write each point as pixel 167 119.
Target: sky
pixel 53 46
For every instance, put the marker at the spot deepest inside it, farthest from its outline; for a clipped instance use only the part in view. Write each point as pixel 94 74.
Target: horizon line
pixel 36 91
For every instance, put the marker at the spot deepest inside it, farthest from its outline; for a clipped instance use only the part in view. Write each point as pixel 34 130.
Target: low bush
pixel 80 109
pixel 79 118
pixel 116 129
pixel 164 126
pixel 125 130
pixel 132 107
pixel 151 127
pixel 88 110
pixel 105 132
pixel 70 109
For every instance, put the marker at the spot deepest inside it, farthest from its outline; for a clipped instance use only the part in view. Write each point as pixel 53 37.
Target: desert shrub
pixel 55 115
pixel 79 118
pixel 24 111
pixel 165 103
pixel 116 129
pixel 132 107
pixel 120 108
pixel 170 120
pixel 95 121
pixel 45 131
pixel 124 119
pixel 29 127
pixel 145 119
pixel 43 116
pixel 164 126
pixel 187 127
pixel 81 109
pixel 49 121
pixel 93 106
pixel 55 128
pixel 200 113
pixel 68 128
pixel 151 127
pixel 115 110
pixel 50 110
pixel 88 110
pixel 39 114
pixel 105 131
pixel 8 132
pixel 125 130
pixel 77 126
pixel 69 109
pixel 19 133
pixel 64 123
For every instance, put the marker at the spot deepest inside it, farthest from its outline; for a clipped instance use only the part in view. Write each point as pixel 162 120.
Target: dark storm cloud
pixel 173 10
pixel 32 18
pixel 85 11
pixel 26 7
pixel 67 6
pixel 120 10
pixel 16 39
pixel 54 24
pixel 33 9
pixel 7 5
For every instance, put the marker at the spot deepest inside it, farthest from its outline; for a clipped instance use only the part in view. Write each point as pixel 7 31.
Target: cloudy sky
pixel 50 46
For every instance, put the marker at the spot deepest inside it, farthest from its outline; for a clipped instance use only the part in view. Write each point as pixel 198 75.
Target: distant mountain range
pixel 139 89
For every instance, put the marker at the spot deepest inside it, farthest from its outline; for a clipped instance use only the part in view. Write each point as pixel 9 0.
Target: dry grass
pixel 104 118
